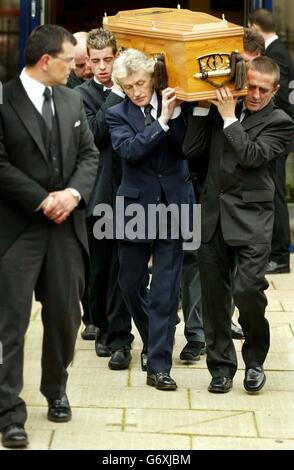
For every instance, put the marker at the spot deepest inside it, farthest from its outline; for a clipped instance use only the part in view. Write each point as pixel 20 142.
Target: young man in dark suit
pixel 107 308
pixel 146 132
pixel 48 163
pixel 263 21
pixel 237 218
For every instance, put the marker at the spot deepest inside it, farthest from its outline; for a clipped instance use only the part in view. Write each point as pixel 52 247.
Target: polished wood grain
pixel 182 36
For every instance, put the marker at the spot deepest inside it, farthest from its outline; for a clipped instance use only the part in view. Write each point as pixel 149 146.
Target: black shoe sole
pixel 15 444
pixel 236 336
pixel 59 420
pixel 278 271
pixel 88 337
pixel 190 358
pixel 152 383
pixel 218 390
pixel 103 353
pixel 118 366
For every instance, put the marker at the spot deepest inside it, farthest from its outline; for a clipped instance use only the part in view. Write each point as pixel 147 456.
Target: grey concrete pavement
pixel 115 410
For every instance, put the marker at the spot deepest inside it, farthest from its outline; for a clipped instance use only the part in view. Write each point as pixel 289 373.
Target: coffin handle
pixel 160 72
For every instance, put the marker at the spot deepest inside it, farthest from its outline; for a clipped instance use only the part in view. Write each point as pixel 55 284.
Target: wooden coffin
pixel 196 47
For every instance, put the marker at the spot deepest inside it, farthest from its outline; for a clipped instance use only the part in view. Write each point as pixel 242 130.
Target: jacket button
pixel 159 176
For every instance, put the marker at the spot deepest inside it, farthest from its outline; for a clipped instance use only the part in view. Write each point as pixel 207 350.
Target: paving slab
pixel 192 422
pixel 118 441
pixel 83 420
pixel 223 443
pixel 275 424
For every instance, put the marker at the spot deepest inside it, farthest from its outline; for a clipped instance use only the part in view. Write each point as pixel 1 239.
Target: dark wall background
pixel 77 15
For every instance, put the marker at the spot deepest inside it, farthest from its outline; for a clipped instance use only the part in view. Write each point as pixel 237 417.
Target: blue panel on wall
pixel 29 19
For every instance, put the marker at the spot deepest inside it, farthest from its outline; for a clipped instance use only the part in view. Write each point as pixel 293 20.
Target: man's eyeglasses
pixel 67 60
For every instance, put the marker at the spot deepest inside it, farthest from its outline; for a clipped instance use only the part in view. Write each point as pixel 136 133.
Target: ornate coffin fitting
pixel 200 52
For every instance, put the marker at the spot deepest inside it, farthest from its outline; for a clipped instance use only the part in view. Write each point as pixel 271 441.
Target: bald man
pixel 81 70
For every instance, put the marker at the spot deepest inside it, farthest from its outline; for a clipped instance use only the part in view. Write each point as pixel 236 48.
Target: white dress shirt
pixel 35 91
pixel 270 40
pixel 154 104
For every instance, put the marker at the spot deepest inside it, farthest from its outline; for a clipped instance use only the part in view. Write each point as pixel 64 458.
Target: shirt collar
pixel 153 102
pixel 270 40
pixel 30 83
pixel 103 86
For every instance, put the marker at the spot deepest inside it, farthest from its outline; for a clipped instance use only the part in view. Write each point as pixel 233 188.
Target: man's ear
pixel 276 90
pixel 44 60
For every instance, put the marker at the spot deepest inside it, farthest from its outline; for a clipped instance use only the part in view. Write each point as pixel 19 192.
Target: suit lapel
pixel 136 116
pixel 255 119
pixel 26 112
pixel 64 120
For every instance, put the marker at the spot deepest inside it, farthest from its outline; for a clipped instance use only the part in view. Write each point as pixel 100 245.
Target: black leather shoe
pixel 276 268
pixel 192 351
pixel 144 359
pixel 59 410
pixel 161 381
pixel 14 436
pixel 220 385
pixel 120 359
pixel 254 379
pixel 89 333
pixel 237 332
pixel 100 345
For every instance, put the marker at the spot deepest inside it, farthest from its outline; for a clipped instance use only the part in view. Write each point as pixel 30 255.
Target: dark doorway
pixel 83 15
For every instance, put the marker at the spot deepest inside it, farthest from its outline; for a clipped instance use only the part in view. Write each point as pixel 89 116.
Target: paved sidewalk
pixel 115 410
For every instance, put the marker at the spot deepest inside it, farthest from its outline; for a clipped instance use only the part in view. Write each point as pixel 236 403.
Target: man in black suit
pixel 263 21
pixel 108 311
pixel 48 163
pixel 237 218
pixel 146 132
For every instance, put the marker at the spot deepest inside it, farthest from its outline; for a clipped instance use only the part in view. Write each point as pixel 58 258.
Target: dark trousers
pixel 156 317
pixel 47 258
pixel 107 309
pixel 281 232
pixel 191 297
pixel 217 263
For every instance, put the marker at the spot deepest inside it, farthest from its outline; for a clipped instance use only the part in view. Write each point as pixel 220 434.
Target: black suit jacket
pixel 239 187
pixel 24 167
pixel 278 52
pixel 109 169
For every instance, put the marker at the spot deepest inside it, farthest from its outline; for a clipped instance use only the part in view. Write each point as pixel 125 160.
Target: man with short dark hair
pixel 107 308
pixel 48 163
pixel 253 44
pixel 237 218
pixel 263 21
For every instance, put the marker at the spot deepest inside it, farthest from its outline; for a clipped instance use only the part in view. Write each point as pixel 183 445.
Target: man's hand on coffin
pixel 225 103
pixel 169 102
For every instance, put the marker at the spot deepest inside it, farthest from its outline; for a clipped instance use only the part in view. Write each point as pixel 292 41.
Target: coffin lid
pixel 171 23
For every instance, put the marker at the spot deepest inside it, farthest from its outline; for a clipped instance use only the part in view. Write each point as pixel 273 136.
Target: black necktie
pixel 106 92
pixel 148 116
pixel 47 108
pixel 245 113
